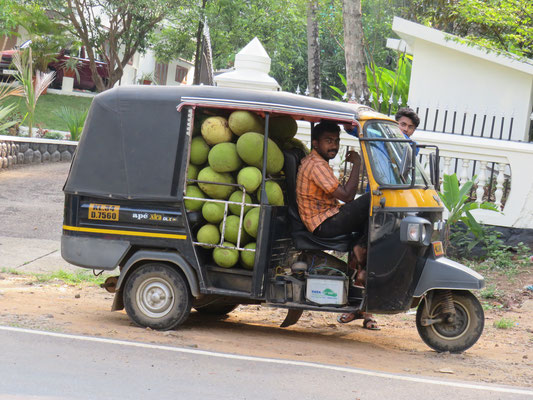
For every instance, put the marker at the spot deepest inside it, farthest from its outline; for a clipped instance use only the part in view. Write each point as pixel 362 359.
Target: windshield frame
pixel 415 166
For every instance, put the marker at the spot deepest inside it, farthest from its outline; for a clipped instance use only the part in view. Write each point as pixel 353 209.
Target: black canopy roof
pixel 130 141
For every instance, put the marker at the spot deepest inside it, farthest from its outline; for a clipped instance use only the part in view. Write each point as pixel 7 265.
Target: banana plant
pixel 459 206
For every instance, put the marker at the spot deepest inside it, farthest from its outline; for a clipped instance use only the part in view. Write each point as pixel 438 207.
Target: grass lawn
pixel 44 112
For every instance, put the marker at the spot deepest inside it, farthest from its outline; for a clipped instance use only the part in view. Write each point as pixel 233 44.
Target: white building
pixel 447 75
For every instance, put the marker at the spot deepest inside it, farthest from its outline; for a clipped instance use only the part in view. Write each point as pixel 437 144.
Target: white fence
pixel 503 169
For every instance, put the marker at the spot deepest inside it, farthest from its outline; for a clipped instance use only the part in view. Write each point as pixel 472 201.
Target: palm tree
pixel 32 86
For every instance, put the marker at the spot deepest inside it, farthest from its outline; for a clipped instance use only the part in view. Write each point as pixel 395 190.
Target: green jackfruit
pixel 248 257
pixel 194 191
pixel 237 197
pixel 192 171
pixel 282 128
pixel 251 221
pixel 223 157
pixel 212 190
pixel 216 130
pixel 250 149
pixel 274 193
pixel 199 151
pixel 226 258
pixel 245 121
pixel 250 178
pixel 232 230
pixel 208 234
pixel 213 212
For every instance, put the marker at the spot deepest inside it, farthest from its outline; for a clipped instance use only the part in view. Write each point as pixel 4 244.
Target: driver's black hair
pixel 323 127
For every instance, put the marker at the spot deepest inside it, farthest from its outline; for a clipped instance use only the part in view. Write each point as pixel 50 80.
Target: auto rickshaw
pixel 125 207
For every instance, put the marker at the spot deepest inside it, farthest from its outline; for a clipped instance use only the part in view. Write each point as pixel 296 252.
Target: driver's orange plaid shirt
pixel 315 184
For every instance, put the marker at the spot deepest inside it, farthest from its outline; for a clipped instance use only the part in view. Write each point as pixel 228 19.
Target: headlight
pixel 415 230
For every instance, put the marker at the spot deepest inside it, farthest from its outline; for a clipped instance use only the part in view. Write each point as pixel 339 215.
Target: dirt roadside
pixel 503 356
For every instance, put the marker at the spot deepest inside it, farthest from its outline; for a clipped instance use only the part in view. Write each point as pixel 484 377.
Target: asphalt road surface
pixel 31 201
pixel 44 365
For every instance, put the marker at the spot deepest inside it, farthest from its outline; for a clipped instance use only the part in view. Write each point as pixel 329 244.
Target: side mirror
pixel 407 160
pixel 434 170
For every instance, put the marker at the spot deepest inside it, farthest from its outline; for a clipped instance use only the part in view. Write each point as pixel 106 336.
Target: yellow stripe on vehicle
pixel 120 232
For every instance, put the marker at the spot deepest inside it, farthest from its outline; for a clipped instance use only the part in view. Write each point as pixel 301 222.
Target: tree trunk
pixel 313 50
pixel 199 47
pixel 356 84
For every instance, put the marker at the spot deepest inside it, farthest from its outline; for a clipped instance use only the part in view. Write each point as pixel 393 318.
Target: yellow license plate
pixel 438 249
pixel 103 212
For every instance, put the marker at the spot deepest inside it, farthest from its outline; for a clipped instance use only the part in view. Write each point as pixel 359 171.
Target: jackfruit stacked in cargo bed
pixel 230 151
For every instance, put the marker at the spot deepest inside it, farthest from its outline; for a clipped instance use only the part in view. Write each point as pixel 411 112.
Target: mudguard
pixel 167 256
pixel 443 273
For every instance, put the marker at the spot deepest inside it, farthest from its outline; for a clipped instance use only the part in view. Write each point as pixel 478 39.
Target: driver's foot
pixel 360 279
pixel 360 255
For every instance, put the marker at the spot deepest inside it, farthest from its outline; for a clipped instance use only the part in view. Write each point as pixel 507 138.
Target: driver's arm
pixel 346 192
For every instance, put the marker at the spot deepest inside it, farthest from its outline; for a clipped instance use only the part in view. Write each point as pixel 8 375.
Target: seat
pixel 303 239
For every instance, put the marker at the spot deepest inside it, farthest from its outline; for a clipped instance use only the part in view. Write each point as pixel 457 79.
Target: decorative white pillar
pixel 482 180
pixel 252 65
pixel 499 185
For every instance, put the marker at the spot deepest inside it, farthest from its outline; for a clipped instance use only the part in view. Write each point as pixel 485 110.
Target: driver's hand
pixel 353 157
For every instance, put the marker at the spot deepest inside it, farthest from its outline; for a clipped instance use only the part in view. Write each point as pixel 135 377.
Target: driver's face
pixel 328 145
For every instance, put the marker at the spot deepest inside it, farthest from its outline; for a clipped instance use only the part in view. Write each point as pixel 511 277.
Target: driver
pixel 318 192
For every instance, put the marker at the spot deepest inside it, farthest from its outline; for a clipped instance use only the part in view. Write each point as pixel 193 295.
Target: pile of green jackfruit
pixel 229 149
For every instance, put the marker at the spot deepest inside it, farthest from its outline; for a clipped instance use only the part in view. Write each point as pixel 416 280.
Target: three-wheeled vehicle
pixel 125 207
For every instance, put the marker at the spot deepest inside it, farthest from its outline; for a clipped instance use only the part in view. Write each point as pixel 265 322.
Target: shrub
pixel 74 118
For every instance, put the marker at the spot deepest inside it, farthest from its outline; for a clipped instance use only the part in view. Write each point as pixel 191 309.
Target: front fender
pixel 443 273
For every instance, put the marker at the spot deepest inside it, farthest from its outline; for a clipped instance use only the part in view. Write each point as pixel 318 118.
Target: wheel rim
pixel 155 297
pixel 456 329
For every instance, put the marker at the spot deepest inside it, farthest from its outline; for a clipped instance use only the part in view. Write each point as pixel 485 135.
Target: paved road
pixel 31 217
pixel 59 366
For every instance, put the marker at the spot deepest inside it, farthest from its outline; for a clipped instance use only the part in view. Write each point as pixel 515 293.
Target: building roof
pixel 411 31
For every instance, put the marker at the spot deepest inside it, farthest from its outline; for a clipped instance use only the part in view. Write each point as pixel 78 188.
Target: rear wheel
pixel 157 296
pixel 456 334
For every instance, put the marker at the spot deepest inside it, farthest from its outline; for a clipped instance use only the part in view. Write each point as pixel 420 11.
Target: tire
pixel 217 309
pixel 454 337
pixel 157 296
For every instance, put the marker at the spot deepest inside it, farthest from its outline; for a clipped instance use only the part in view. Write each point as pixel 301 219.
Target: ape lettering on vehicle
pixel 104 212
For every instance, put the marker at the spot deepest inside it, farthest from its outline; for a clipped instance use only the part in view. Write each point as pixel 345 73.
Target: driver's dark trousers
pixel 352 217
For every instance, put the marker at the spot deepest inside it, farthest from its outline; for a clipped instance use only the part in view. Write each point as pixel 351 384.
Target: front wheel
pixel 456 334
pixel 157 296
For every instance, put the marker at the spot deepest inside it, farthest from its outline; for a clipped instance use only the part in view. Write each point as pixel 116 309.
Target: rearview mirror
pixel 407 160
pixel 434 170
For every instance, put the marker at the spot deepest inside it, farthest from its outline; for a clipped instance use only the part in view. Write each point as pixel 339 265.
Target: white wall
pixel 445 78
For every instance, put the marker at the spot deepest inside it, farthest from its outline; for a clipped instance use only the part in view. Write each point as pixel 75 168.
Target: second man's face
pixel 406 125
pixel 328 145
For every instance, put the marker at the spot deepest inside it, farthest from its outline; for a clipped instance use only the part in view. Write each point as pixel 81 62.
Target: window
pixel 181 74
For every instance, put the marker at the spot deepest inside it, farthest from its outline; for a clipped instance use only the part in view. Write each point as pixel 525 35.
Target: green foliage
pixel 70 278
pixel 498 25
pixel 385 83
pixel 459 206
pixel 74 118
pixel 53 135
pixel 32 86
pixel 504 323
pixel 47 105
pixel 490 292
